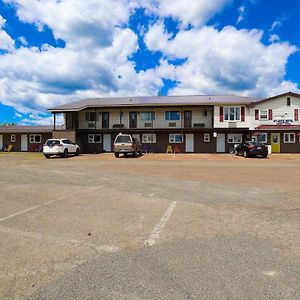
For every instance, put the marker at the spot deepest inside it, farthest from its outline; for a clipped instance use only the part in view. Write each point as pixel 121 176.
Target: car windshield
pixel 123 139
pixel 52 142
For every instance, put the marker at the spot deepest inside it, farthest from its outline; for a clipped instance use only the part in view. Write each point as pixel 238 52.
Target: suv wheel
pixel 116 154
pixel 77 152
pixel 65 154
pixel 47 155
pixel 245 154
pixel 135 154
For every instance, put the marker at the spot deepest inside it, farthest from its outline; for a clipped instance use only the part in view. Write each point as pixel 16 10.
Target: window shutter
pixel 243 113
pixel 221 114
pixel 270 114
pixel 296 114
pixel 256 114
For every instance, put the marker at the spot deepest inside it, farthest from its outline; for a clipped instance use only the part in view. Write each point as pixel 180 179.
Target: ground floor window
pixel 148 138
pixel 289 138
pixel 12 138
pixel 175 138
pixel 234 138
pixel 35 138
pixel 94 138
pixel 206 137
pixel 262 138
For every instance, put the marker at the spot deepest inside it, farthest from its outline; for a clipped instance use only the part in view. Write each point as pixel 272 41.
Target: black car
pixel 250 148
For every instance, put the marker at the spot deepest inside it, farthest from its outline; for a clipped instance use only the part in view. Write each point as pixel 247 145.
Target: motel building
pixel 200 124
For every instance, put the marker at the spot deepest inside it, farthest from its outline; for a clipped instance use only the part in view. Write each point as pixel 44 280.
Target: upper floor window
pixel 288 101
pixel 172 115
pixel 148 115
pixel 263 114
pixel 90 116
pixel 232 113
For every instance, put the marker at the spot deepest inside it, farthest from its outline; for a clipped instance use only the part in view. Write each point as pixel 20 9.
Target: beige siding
pixel 159 122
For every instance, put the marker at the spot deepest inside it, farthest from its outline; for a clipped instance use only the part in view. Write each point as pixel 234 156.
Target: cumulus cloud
pixel 242 12
pixel 98 44
pixel 230 60
pixel 6 42
pixel 194 12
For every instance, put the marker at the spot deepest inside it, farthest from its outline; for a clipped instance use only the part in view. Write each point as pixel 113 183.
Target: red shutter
pixel 243 114
pixel 270 114
pixel 296 114
pixel 256 114
pixel 221 114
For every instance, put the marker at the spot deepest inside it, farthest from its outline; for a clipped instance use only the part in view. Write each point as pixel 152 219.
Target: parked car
pixel 62 147
pixel 251 148
pixel 126 144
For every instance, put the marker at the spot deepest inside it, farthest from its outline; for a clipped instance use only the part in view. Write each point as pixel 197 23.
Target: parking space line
pixel 159 227
pixel 41 205
pixel 48 238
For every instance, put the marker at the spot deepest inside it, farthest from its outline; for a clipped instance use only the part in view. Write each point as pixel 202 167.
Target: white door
pixel 1 142
pixel 107 142
pixel 189 142
pixel 24 142
pixel 221 142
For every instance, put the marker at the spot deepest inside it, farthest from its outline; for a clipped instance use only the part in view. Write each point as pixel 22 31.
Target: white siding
pixel 279 108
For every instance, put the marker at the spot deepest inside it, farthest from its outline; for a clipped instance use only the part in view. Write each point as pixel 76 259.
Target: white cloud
pixel 274 38
pixel 241 11
pixel 275 25
pixel 194 12
pixel 23 41
pixel 6 42
pixel 232 61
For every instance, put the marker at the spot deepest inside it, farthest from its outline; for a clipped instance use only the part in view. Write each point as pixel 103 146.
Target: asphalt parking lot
pixel 160 226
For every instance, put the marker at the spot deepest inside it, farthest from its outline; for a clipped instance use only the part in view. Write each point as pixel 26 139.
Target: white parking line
pixel 48 238
pixel 44 204
pixel 159 227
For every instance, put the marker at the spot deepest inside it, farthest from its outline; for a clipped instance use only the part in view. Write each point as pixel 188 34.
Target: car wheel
pixel 265 156
pixel 65 153
pixel 135 154
pixel 116 154
pixel 47 155
pixel 245 154
pixel 236 152
pixel 77 152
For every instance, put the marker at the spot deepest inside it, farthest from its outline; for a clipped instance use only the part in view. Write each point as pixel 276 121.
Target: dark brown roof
pixel 26 129
pixel 278 127
pixel 154 101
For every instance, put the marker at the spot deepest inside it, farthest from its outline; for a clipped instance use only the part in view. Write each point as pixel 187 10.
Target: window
pixel 234 138
pixel 262 138
pixel 94 138
pixel 148 115
pixel 289 138
pixel 35 139
pixel 172 115
pixel 90 116
pixel 12 138
pixel 288 101
pixel 206 137
pixel 148 138
pixel 232 114
pixel 263 114
pixel 175 138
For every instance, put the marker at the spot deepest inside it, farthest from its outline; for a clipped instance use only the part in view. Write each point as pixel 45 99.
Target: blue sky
pixel 130 47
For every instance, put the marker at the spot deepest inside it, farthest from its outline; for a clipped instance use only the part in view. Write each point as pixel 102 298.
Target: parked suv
pixel 125 143
pixel 62 147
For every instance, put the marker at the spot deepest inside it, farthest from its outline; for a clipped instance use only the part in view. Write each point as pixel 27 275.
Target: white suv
pixel 62 147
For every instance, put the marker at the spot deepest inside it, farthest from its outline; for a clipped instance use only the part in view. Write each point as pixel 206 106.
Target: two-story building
pixel 202 124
